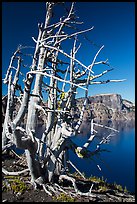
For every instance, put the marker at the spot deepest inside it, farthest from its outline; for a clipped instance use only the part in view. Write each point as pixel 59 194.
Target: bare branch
pixel 107 81
pixel 54 77
pixel 76 33
pixel 10 65
pixel 7 146
pixel 99 75
pixel 61 51
pixel 14 173
pixel 45 189
pixel 75 187
pixel 76 168
pixel 104 126
pixel 102 62
pixel 92 64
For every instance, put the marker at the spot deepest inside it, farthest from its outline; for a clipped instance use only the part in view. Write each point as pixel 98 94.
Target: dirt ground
pixel 28 194
pixel 12 163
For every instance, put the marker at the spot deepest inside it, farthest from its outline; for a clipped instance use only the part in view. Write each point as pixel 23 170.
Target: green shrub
pixel 125 189
pixel 64 198
pixel 103 188
pixel 96 179
pixel 14 184
pixel 118 187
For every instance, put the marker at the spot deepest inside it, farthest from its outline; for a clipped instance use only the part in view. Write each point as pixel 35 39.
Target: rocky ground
pixel 19 189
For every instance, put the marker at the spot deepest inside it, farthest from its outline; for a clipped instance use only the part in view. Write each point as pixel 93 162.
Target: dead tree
pixel 61 79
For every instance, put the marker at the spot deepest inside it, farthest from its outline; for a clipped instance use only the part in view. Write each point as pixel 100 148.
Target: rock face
pixel 102 107
pixel 108 107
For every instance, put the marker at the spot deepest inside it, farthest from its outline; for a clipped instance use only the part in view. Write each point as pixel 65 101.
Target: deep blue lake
pixel 119 163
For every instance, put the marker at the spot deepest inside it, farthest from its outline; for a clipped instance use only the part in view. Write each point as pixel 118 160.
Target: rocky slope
pixel 19 188
pixel 102 107
pixel 108 107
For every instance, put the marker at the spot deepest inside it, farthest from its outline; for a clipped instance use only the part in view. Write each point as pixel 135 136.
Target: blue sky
pixel 114 27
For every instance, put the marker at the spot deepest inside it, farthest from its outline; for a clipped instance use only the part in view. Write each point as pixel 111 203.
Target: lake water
pixel 119 164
